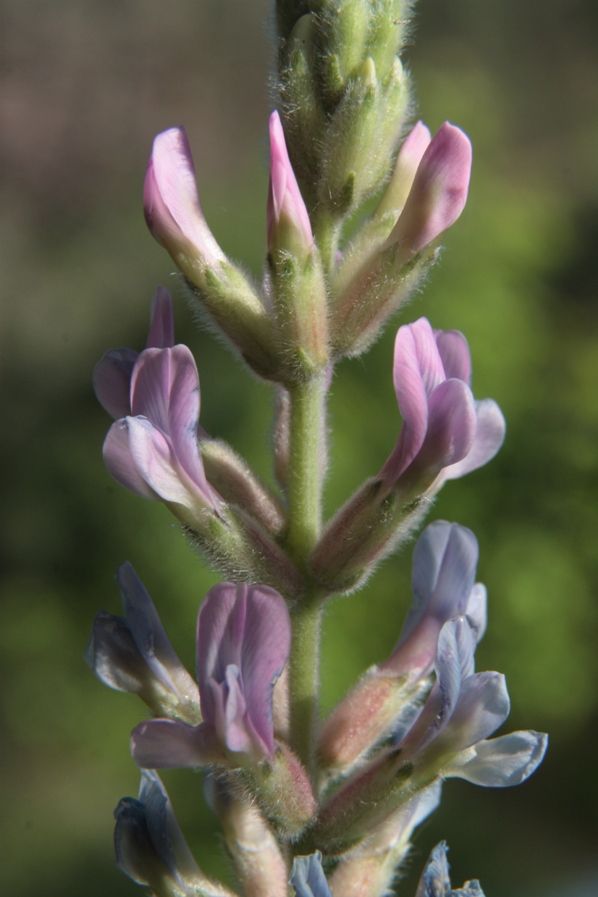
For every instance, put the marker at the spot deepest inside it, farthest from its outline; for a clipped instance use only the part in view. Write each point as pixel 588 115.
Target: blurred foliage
pixel 85 86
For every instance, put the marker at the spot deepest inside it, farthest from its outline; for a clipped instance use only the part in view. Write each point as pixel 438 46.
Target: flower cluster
pixel 329 805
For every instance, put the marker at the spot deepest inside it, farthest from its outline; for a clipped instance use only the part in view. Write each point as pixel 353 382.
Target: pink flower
pixel 243 644
pixel 439 189
pixel 445 433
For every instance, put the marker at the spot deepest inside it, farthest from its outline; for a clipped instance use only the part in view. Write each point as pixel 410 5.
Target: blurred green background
pixel 85 85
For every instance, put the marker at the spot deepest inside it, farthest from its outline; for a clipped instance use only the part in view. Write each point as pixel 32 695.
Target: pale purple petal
pixel 171 203
pixel 161 331
pixel 165 389
pixel 149 635
pixel 170 744
pixel 417 370
pixel 483 706
pixel 435 880
pixel 284 196
pixel 489 436
pixel 307 876
pixel 406 165
pixel 156 463
pixel 111 381
pixel 444 565
pixel 502 762
pixel 247 627
pixel 439 191
pixel 477 610
pixel 451 426
pixel 120 462
pixel 454 352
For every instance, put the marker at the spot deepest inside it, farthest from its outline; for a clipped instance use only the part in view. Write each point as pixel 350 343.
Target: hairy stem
pixel 307 463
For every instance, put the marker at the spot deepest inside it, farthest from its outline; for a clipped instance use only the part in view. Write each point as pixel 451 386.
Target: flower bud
pixel 298 290
pixel 307 876
pixel 256 854
pixel 283 790
pixel 231 476
pixel 175 218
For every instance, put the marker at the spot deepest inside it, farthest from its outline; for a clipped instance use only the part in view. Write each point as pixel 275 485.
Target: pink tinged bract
pixel 243 643
pixel 438 193
pixel 285 203
pixel 172 209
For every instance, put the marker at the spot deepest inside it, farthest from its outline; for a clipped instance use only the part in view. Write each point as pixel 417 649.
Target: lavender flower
pixel 444 566
pixel 438 193
pixel 243 642
pixel 463 709
pixel 445 433
pixel 150 847
pixel 153 450
pixel 133 653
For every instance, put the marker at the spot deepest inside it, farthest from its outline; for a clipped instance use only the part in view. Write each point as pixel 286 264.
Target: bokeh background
pixel 84 85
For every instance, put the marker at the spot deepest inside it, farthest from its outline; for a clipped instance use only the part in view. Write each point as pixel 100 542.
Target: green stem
pixel 304 680
pixel 307 463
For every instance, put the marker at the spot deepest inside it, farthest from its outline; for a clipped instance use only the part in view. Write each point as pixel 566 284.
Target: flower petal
pixel 307 876
pixel 156 464
pixel 477 610
pixel 444 565
pixel 489 436
pixel 406 165
pixel 439 191
pixel 161 331
pixel 121 463
pixel 165 389
pixel 113 655
pixel 248 627
pixel 501 762
pixel 284 196
pixel 170 199
pixel 170 744
pixel 451 426
pixel 417 370
pixel 111 381
pixel 454 352
pixel 149 635
pixel 163 827
pixel 483 706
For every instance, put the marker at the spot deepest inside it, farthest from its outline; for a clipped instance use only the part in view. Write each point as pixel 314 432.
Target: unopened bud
pixel 283 790
pixel 230 475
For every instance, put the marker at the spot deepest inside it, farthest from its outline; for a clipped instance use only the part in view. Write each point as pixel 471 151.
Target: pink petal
pixel 169 744
pixel 454 352
pixel 452 425
pixel 171 203
pixel 284 195
pixel 161 332
pixel 417 370
pixel 111 381
pixel 439 191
